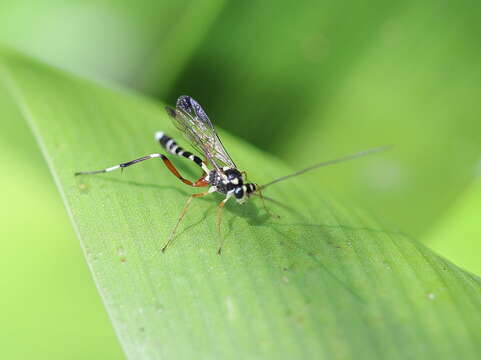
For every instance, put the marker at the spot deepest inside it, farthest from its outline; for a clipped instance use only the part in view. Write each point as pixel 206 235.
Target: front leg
pixel 220 207
pixel 183 212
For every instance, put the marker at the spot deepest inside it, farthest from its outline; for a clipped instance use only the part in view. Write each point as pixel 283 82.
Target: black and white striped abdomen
pixel 171 146
pixel 168 143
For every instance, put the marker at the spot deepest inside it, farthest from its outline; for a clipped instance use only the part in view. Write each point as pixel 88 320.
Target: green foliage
pixel 321 282
pixel 50 306
pixel 140 43
pixel 458 233
pixel 331 78
pixel 315 80
pixel 415 87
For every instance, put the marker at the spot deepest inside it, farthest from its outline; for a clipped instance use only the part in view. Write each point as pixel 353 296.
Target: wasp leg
pixel 220 207
pixel 265 206
pixel 168 164
pixel 182 213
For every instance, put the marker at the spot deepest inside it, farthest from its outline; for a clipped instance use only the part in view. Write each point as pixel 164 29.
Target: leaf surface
pixel 322 282
pixel 457 235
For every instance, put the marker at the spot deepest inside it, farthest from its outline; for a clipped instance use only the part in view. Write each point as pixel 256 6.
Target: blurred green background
pixel 306 81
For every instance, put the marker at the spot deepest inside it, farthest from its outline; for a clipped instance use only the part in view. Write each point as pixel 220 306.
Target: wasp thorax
pixel 233 176
pixel 226 181
pixel 231 181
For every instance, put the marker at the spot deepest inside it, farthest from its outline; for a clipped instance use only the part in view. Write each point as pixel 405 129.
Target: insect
pixel 224 177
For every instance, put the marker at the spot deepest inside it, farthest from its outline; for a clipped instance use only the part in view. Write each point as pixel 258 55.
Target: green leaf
pixel 334 77
pixel 322 282
pixel 136 43
pixel 186 32
pixel 48 296
pixel 425 105
pixel 457 235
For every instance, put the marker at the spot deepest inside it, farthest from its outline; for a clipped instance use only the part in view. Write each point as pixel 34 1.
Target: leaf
pixel 184 36
pixel 457 235
pixel 425 105
pixel 335 77
pixel 129 42
pixel 321 282
pixel 46 287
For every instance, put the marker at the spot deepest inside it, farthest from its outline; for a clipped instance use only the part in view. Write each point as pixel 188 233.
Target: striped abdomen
pixel 171 146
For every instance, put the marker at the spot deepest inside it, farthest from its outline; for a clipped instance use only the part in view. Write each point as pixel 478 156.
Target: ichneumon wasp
pixel 224 178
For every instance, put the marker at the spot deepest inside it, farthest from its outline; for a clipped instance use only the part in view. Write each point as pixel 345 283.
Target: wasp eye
pixel 239 192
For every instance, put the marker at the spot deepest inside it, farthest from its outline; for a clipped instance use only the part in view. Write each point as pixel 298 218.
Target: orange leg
pixel 265 206
pixel 220 207
pixel 181 216
pixel 199 183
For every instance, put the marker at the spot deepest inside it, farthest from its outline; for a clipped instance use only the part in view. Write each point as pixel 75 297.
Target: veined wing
pixel 193 122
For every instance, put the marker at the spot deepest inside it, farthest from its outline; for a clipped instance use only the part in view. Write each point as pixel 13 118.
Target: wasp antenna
pixel 329 162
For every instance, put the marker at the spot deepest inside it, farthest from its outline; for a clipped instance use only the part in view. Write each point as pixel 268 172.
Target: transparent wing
pixel 193 122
